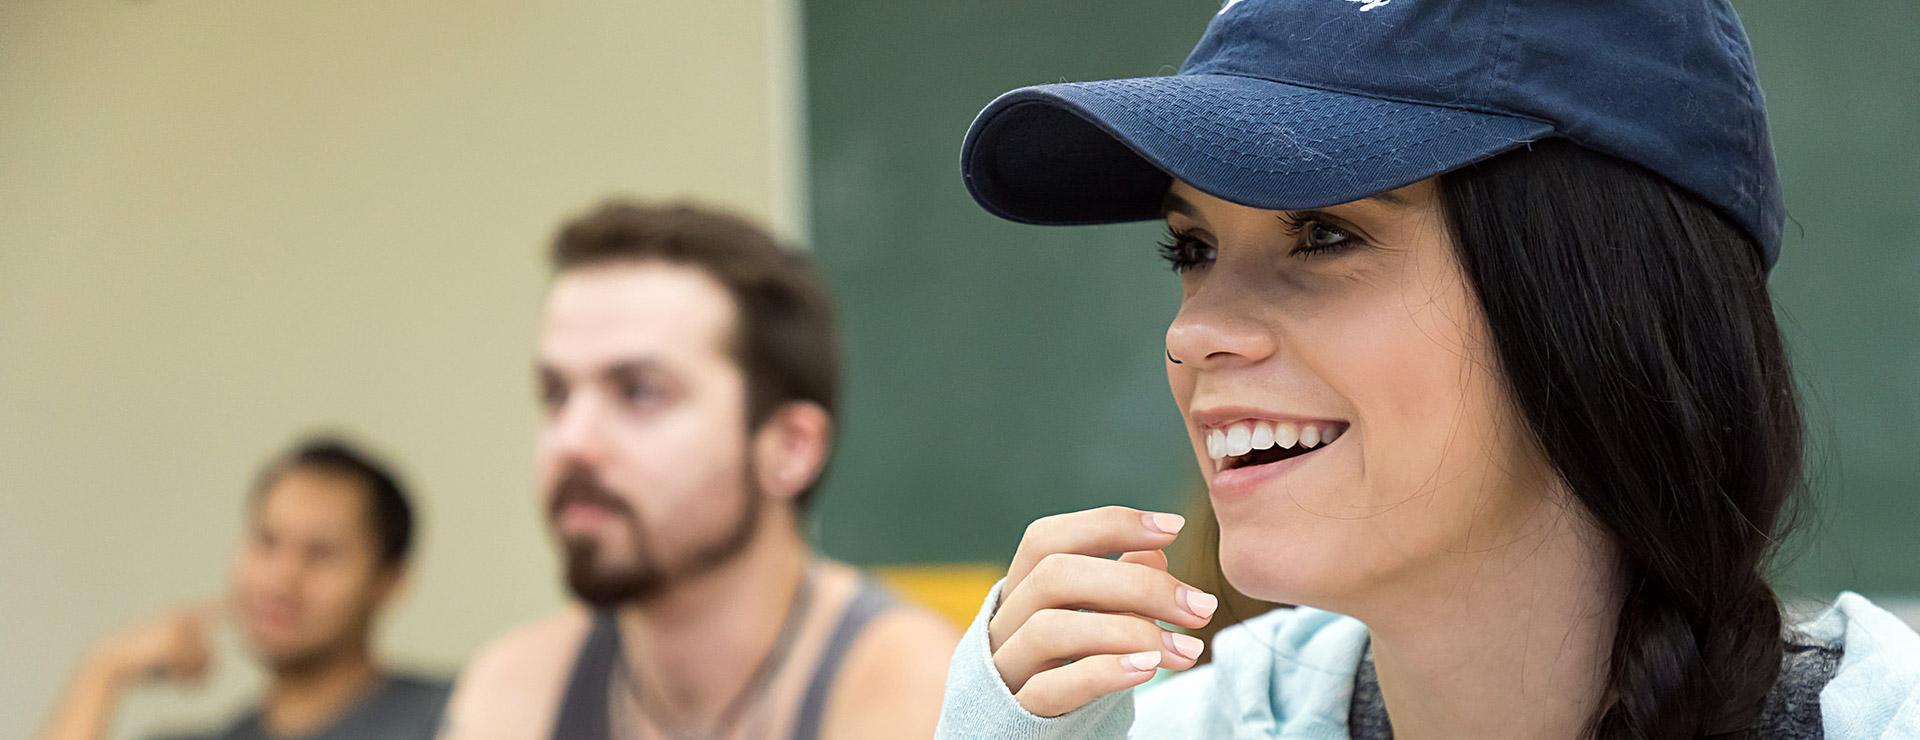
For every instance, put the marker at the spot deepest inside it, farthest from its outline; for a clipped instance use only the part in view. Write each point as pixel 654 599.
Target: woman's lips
pixel 1239 482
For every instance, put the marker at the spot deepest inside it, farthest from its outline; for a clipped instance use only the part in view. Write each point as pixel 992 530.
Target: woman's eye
pixel 1314 237
pixel 1185 252
pixel 1325 237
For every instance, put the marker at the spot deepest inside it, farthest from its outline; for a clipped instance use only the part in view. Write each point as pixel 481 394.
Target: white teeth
pixel 1247 436
pixel 1262 436
pixel 1285 434
pixel 1239 440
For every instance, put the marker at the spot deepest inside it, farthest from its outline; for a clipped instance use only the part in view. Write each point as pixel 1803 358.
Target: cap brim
pixel 1103 152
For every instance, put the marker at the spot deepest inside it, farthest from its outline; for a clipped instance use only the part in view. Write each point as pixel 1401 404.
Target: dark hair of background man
pixel 388 510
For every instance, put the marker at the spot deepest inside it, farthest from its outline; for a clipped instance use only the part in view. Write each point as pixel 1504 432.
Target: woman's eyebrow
pixel 1173 203
pixel 1389 198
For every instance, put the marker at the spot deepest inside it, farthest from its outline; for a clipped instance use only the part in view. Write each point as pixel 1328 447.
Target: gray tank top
pixel 584 714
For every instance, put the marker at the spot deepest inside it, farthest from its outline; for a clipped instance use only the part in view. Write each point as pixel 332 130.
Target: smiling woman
pixel 1484 377
pixel 1351 322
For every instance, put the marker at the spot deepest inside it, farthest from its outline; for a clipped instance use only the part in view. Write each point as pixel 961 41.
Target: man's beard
pixel 644 578
pixel 311 659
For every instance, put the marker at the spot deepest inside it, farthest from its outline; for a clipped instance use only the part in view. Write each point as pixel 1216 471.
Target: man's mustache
pixel 581 486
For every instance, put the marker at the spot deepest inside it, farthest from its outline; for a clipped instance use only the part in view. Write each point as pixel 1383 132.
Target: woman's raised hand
pixel 1073 626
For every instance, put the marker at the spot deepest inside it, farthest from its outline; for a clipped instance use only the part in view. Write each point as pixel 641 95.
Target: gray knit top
pixel 1792 709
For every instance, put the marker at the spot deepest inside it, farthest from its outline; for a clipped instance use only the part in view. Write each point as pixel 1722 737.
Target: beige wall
pixel 223 223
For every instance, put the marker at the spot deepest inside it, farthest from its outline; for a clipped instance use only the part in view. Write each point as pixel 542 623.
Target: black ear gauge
pixel 1172 359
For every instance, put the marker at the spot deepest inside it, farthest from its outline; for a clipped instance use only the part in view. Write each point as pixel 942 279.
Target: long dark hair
pixel 1633 328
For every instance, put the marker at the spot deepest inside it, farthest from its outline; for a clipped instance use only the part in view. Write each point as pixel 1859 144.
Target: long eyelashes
pixel 1184 252
pixel 1308 233
pixel 1315 236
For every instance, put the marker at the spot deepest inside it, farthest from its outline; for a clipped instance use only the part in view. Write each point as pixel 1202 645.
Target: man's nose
pixel 577 433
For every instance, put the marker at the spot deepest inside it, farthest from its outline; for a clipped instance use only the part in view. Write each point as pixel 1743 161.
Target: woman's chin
pixel 1286 569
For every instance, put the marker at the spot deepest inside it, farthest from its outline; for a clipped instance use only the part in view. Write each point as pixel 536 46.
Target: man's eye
pixel 552 395
pixel 640 392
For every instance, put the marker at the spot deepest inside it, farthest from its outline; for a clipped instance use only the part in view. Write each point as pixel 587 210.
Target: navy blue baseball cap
pixel 1296 104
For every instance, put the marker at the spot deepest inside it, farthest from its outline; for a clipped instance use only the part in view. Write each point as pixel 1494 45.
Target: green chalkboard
pixel 996 372
pixel 999 372
pixel 1843 92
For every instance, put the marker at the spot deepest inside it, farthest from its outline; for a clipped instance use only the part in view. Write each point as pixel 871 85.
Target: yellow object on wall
pixel 954 590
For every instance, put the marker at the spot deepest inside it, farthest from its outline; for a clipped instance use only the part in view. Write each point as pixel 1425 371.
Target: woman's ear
pixel 791 448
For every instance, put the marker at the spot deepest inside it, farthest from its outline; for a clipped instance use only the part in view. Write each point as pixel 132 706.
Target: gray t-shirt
pixel 399 708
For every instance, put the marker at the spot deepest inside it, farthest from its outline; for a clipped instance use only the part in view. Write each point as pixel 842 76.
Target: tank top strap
pixel 872 601
pixel 583 709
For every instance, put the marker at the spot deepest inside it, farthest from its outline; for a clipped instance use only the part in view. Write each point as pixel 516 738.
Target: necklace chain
pixel 756 684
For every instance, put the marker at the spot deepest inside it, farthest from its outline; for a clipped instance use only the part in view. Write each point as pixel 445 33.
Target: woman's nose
pixel 1219 325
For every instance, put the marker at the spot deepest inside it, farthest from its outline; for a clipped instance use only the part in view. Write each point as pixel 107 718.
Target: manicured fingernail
pixel 1187 646
pixel 1165 523
pixel 1141 662
pixel 1200 603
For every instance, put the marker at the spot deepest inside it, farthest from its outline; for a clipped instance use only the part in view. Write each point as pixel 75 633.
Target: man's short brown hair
pixel 784 340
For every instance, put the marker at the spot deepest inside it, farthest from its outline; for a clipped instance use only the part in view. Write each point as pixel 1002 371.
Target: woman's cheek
pixel 1405 391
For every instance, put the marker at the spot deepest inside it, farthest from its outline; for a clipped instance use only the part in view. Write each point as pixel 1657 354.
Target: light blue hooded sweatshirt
pixel 1290 674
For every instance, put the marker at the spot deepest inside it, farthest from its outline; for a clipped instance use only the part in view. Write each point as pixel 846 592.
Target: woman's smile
pixel 1250 447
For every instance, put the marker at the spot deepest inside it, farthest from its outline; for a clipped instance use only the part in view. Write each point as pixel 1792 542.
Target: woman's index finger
pixel 1097 532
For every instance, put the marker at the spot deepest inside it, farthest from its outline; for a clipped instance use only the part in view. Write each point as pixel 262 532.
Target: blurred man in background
pixel 688 366
pixel 328 535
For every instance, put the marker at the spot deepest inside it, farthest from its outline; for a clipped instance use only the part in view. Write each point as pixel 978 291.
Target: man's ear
pixel 791 448
pixel 389 586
